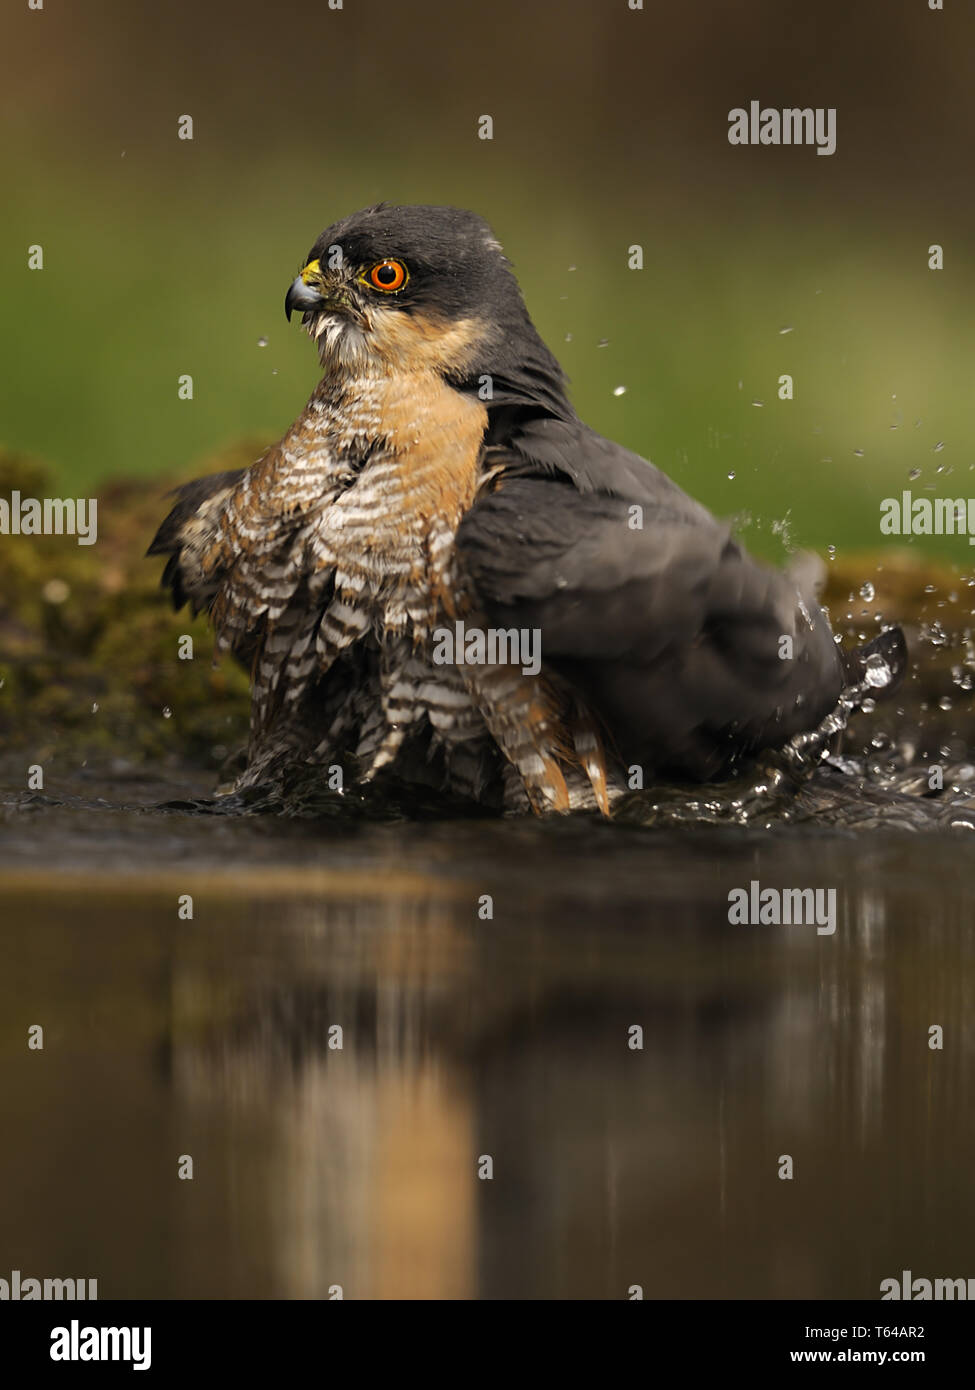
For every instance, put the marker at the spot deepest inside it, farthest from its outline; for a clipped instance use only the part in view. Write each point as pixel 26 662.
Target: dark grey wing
pixel 658 617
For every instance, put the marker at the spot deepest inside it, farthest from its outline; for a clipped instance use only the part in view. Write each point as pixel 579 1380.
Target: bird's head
pixel 403 289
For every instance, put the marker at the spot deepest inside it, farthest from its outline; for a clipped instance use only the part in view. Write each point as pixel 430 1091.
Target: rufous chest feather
pixel 417 443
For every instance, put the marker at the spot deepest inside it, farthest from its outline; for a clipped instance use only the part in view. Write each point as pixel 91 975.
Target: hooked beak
pixel 304 292
pixel 310 291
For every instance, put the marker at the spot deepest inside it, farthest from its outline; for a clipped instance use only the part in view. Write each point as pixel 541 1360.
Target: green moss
pixel 89 641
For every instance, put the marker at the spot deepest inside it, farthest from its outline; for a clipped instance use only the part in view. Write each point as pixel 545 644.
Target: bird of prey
pixel 439 483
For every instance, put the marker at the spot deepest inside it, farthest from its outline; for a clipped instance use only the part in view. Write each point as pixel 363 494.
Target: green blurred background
pixel 164 256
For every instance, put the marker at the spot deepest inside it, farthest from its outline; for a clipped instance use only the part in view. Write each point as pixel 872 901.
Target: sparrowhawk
pixel 439 480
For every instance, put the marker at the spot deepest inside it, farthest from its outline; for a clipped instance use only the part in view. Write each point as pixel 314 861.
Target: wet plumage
pixel 439 474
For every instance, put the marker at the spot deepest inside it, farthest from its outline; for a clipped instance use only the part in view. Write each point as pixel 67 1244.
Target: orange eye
pixel 388 275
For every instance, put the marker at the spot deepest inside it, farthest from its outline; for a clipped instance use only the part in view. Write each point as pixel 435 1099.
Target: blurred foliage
pixel 164 256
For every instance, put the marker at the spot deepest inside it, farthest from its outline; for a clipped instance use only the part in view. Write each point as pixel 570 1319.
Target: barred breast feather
pixel 339 541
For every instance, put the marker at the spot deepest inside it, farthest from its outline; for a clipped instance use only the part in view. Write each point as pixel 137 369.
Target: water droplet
pixel 94 708
pixel 619 390
pixel 914 474
pixel 572 267
pixel 758 403
pixel 867 591
pixel 167 713
pixel 859 453
pixel 785 330
pixel 831 551
pixel 731 476
pixel 568 337
pixel 944 702
pixel 933 633
pixel 262 342
pixel 868 706
pixel 939 446
pixel 603 342
pixel 962 678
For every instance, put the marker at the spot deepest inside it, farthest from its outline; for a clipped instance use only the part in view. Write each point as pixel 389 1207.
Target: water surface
pixel 466 1036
